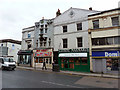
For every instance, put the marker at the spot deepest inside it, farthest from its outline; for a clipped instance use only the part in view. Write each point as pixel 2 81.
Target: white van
pixel 7 63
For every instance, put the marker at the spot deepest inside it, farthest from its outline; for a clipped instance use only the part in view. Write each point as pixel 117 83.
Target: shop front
pixel 43 55
pixel 74 60
pixel 25 57
pixel 107 60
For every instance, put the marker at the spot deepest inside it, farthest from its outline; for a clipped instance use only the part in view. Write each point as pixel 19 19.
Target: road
pixel 37 79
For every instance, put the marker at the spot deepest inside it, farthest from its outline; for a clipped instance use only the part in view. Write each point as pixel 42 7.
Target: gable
pixel 72 15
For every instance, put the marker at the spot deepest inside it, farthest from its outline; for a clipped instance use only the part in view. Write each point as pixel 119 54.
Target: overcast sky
pixel 18 14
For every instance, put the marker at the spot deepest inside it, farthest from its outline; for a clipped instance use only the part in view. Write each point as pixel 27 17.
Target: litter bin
pixel 56 68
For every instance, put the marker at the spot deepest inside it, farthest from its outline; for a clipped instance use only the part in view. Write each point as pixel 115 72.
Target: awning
pixel 25 52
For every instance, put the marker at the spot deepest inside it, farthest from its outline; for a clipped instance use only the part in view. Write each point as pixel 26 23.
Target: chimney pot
pixel 90 8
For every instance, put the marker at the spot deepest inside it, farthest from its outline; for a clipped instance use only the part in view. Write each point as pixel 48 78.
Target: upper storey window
pixel 95 24
pixel 115 21
pixel 79 26
pixel 64 29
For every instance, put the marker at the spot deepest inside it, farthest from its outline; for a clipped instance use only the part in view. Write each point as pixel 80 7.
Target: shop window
pixel 109 64
pixel 115 21
pixel 36 61
pixel 79 26
pixel 62 60
pixel 64 43
pixel 84 60
pixel 71 63
pixel 62 65
pixel 115 63
pixel 64 29
pixel 71 60
pixel 95 24
pixel 40 60
pixel 71 66
pixel 66 64
pixel 79 41
pixel 77 61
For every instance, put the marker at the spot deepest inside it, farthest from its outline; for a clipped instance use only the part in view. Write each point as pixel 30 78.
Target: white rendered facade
pixel 27 38
pixel 13 47
pixel 43 43
pixel 71 18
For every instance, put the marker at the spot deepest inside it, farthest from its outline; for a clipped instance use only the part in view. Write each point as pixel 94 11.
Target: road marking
pixel 61 84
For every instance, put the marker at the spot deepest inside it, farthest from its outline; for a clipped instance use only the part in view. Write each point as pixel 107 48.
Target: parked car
pixel 7 63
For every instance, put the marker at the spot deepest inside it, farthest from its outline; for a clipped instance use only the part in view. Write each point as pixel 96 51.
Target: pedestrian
pixel 44 65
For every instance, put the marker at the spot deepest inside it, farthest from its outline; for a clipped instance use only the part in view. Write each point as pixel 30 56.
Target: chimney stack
pixel 58 13
pixel 90 8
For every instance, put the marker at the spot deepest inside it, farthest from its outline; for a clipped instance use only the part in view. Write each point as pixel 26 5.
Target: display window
pixel 84 61
pixel 40 60
pixel 71 63
pixel 112 64
pixel 77 61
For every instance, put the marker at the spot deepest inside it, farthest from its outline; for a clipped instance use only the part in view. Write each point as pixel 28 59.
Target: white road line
pixel 60 84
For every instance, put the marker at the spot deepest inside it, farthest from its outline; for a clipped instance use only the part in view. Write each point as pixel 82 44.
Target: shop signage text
pixel 73 55
pixel 43 53
pixel 106 53
pixel 74 50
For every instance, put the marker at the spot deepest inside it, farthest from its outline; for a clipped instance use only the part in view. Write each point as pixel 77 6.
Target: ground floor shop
pixel 74 60
pixel 25 57
pixel 105 61
pixel 41 56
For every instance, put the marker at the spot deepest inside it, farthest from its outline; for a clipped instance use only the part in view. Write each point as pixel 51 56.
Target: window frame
pixel 65 44
pixel 80 44
pixel 114 22
pixel 96 25
pixel 64 28
pixel 79 27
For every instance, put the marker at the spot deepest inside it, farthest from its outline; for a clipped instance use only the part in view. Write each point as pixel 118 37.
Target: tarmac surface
pixel 27 78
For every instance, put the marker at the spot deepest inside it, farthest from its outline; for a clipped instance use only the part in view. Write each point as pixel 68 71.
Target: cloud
pixel 18 14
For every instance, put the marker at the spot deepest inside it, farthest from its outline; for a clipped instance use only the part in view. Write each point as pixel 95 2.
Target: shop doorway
pixel 39 62
pixel 25 60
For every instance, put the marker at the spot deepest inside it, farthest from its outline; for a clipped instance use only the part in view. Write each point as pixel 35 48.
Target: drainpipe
pixel 90 50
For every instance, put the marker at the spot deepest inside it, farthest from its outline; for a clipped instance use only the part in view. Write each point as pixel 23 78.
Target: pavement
pixel 108 75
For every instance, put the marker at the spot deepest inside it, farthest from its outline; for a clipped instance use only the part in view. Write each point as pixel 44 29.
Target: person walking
pixel 44 65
